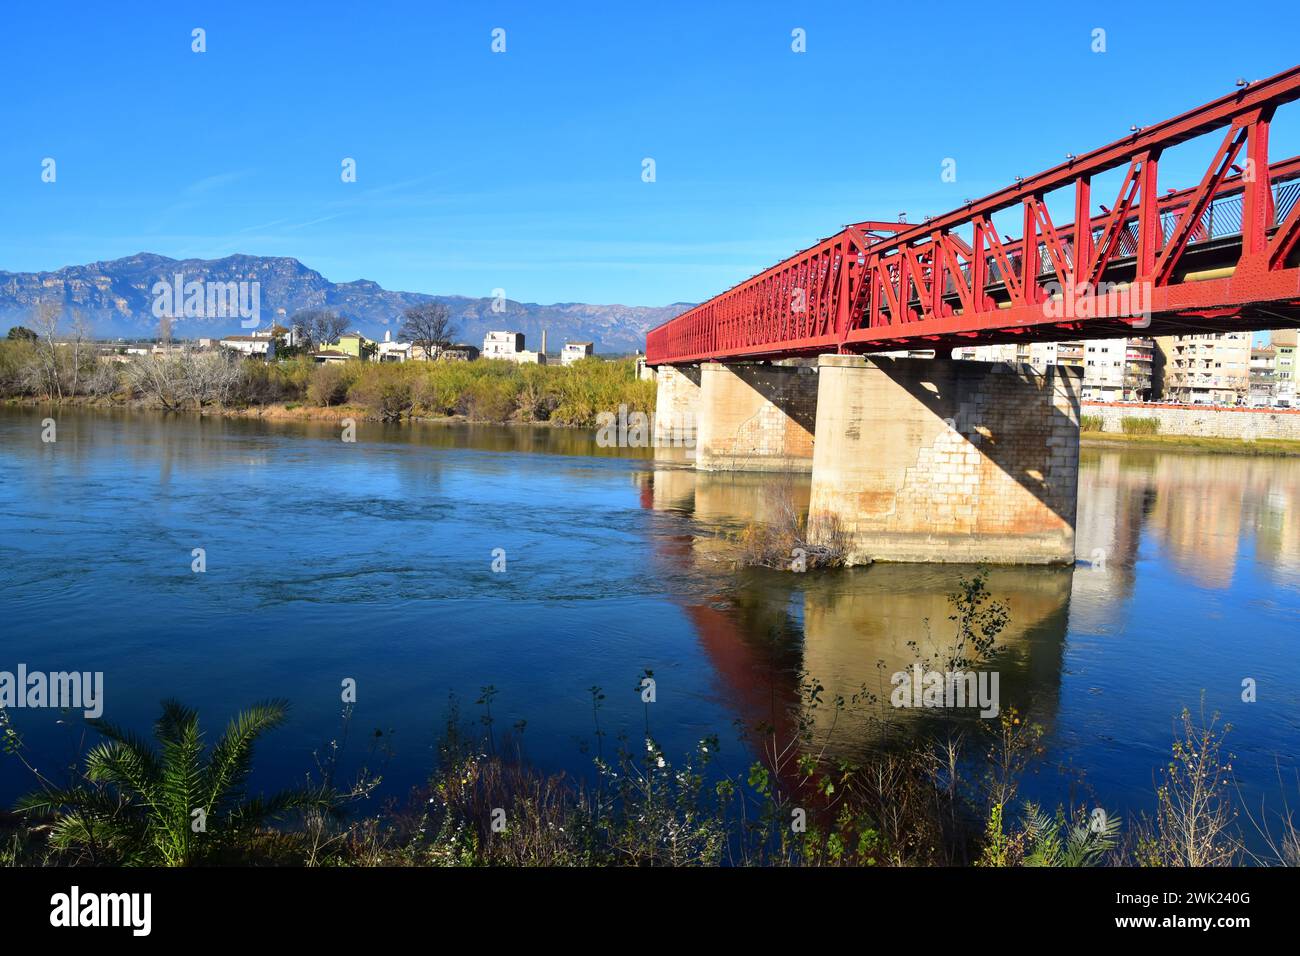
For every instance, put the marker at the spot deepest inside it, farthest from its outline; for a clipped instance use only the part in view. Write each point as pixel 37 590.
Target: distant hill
pixel 116 299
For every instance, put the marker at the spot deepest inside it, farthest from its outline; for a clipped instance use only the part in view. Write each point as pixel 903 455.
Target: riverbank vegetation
pixel 1276 447
pixel 950 795
pixel 216 381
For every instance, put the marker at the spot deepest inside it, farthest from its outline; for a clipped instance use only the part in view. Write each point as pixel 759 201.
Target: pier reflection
pixel 847 630
pixel 1205 517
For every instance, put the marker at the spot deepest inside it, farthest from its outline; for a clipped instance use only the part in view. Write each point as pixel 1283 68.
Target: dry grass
pixel 782 540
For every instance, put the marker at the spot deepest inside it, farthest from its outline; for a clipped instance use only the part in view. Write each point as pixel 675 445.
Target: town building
pixel 259 345
pixel 1103 370
pixel 331 356
pixel 510 347
pixel 1211 368
pixel 460 352
pixel 1114 370
pixel 390 351
pixel 355 345
pixel 1286 367
pixel 261 342
pixel 576 352
pixel 1263 386
pixel 1118 370
pixel 502 344
pixel 1139 370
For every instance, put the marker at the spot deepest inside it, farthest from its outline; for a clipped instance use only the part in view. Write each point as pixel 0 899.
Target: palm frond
pixel 130 767
pixel 1041 833
pixel 54 799
pixel 175 717
pixel 262 809
pixel 232 756
pixel 1086 845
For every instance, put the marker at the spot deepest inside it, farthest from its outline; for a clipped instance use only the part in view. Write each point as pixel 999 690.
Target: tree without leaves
pixel 319 327
pixel 175 379
pixel 50 378
pixel 428 327
pixel 79 346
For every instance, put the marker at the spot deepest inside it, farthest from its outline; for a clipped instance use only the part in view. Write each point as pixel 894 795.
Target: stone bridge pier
pixel 756 417
pixel 677 405
pixel 941 460
pixel 912 460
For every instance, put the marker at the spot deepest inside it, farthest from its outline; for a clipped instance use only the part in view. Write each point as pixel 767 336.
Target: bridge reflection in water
pixel 1179 554
pixel 848 630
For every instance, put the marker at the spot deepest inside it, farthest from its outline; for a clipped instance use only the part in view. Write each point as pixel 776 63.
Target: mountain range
pixel 116 299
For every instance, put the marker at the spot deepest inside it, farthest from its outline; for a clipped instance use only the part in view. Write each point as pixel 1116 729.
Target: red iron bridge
pixel 1220 255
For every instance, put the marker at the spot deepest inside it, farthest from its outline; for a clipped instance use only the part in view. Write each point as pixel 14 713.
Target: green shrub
pixel 1140 426
pixel 384 390
pixel 490 399
pixel 329 383
pixel 1092 423
pixel 265 382
pixel 17 356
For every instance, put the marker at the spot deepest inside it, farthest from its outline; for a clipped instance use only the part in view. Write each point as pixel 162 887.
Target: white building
pixel 576 352
pixel 1103 370
pixel 1114 370
pixel 390 351
pixel 259 342
pixel 510 346
pixel 502 345
pixel 263 345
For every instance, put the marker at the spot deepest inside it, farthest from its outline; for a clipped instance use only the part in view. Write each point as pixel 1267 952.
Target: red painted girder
pixel 755 318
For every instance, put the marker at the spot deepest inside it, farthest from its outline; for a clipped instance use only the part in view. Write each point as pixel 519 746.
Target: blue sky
pixel 522 170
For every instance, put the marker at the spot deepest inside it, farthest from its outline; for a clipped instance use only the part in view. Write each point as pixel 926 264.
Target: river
pixel 374 561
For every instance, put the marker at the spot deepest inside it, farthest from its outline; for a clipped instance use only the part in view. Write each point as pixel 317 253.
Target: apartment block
pixel 1208 369
pixel 1114 370
pixel 1286 367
